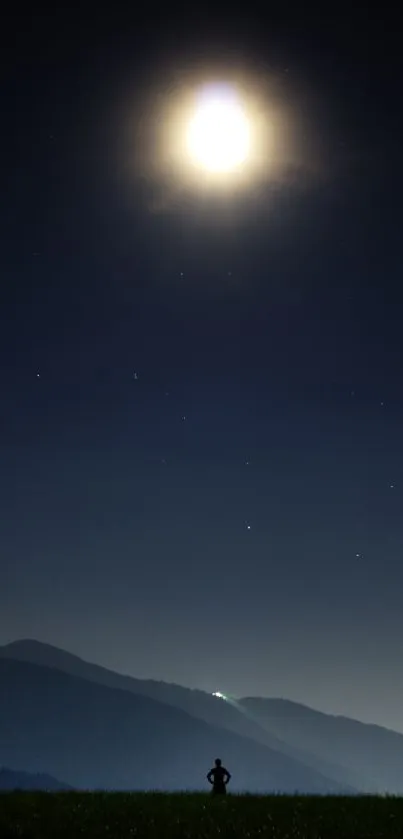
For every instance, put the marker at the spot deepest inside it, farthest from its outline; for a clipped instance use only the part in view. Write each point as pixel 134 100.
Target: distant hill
pixel 198 703
pixel 371 757
pixel 12 780
pixel 356 755
pixel 99 737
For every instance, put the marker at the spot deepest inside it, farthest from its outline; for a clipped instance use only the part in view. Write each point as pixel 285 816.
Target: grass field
pixel 151 815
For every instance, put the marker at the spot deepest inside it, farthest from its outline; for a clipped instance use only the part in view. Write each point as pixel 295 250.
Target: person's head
pixel 217 761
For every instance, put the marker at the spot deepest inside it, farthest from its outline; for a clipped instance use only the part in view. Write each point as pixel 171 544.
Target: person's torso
pixel 219 774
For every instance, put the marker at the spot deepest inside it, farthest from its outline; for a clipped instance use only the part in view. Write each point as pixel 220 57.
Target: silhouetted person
pixel 218 777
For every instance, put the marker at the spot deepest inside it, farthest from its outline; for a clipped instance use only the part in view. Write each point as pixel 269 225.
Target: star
pixel 183 418
pixel 135 376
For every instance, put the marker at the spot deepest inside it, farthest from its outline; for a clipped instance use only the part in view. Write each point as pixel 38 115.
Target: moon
pixel 218 133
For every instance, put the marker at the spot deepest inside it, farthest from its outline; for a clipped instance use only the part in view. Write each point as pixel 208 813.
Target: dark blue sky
pixel 231 518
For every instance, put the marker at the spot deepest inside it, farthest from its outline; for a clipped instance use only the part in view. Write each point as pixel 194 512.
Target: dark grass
pixel 68 815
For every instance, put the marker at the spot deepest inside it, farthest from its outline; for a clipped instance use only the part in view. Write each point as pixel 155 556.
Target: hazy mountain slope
pixel 17 780
pixel 95 736
pixel 368 753
pixel 366 757
pixel 195 702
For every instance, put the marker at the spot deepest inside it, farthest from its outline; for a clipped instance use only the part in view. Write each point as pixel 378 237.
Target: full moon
pixel 218 134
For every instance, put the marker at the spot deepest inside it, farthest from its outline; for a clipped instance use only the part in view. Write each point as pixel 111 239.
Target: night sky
pixel 201 459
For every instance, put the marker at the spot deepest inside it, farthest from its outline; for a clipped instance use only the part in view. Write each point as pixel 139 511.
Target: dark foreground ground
pixel 70 815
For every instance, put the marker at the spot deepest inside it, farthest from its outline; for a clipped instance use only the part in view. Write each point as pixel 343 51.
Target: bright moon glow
pixel 218 695
pixel 218 136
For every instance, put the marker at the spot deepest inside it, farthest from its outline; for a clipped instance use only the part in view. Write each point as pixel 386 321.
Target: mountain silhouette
pixel 352 754
pixel 95 736
pixel 13 780
pixel 370 756
pixel 198 703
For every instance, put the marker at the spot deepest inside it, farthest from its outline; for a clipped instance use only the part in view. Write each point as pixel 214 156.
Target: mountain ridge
pixel 192 700
pixel 12 779
pixel 99 737
pixel 363 756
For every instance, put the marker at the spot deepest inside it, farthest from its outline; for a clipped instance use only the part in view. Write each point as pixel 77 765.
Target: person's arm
pixel 228 777
pixel 209 777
